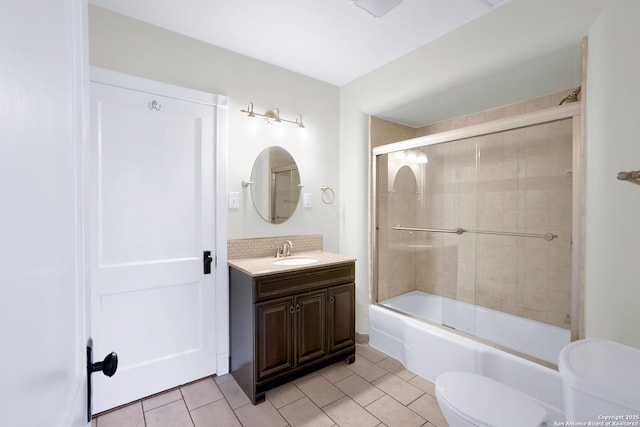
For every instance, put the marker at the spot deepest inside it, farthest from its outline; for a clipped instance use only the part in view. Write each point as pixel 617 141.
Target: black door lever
pixel 206 261
pixel 108 366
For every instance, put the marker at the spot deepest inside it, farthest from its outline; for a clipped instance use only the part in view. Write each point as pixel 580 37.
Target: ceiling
pixel 329 40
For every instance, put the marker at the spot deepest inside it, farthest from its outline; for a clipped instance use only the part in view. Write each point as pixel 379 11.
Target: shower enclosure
pixel 477 230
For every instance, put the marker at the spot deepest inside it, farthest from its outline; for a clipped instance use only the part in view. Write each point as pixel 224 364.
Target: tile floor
pixel 376 390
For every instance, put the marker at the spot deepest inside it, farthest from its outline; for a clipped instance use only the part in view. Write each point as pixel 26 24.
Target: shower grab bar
pixel 546 236
pixel 431 230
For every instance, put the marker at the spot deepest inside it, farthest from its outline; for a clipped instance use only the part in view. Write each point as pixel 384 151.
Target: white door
pixel 42 324
pixel 151 216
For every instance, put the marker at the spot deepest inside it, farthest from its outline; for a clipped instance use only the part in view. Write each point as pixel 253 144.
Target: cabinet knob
pixel 291 310
pixel 331 299
pixel 297 307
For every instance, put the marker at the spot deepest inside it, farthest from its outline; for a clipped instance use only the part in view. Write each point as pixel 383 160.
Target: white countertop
pixel 263 266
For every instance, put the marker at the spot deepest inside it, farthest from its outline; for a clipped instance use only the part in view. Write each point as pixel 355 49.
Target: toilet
pixel 471 400
pixel 600 381
pixel 600 384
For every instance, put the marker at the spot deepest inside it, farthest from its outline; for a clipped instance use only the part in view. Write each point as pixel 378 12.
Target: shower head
pixel 572 97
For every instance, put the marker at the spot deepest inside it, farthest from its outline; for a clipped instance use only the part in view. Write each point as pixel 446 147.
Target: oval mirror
pixel 276 185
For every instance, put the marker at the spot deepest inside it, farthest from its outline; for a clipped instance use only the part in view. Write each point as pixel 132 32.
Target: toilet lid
pixel 487 402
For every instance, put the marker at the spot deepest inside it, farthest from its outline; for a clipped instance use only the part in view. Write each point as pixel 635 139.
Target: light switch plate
pixel 307 200
pixel 234 200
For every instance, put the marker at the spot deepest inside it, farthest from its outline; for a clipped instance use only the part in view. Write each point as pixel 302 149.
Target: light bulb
pixel 399 155
pixel 412 156
pixel 422 158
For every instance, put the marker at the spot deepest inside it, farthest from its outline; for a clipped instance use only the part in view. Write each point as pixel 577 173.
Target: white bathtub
pixel 536 339
pixel 430 350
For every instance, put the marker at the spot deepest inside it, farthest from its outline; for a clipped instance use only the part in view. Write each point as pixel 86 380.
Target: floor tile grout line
pixel 321 409
pixel 371 413
pixel 365 409
pixel 144 414
pixel 233 411
pixel 189 410
pixel 406 406
pixel 423 393
pixel 293 401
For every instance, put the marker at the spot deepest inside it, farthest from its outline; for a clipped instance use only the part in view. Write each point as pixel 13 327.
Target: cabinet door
pixel 310 326
pixel 342 319
pixel 274 350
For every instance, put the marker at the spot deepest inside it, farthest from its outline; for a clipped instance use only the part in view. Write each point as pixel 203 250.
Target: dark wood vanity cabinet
pixel 288 328
pixel 285 325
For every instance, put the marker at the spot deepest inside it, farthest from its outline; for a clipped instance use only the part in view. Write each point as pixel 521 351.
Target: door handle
pixel 206 261
pixel 108 366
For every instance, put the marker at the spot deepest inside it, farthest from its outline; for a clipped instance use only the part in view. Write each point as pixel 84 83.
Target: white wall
pixel 612 272
pixel 513 34
pixel 126 45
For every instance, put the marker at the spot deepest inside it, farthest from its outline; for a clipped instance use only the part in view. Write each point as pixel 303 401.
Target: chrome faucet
pixel 284 250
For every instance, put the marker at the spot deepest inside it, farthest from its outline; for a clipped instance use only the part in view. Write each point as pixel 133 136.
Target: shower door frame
pixel 571 111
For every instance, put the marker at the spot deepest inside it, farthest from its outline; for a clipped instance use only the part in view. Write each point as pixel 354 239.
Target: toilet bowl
pixel 467 399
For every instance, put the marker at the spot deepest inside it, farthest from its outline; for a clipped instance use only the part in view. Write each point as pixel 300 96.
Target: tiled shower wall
pixel 521 183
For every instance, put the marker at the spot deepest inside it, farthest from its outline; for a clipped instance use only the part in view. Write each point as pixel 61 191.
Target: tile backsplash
pixel 266 246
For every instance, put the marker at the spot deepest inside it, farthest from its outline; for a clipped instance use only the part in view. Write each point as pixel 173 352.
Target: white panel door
pixel 42 299
pixel 151 215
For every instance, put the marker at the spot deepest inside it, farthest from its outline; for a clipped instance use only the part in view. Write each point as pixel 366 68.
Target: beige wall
pixel 126 45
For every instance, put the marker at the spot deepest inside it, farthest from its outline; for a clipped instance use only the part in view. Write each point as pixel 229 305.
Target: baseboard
pixel 362 338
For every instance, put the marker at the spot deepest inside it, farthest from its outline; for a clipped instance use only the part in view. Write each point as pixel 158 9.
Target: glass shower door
pixel 424 266
pixel 459 212
pixel 397 195
pixel 524 236
pixel 476 234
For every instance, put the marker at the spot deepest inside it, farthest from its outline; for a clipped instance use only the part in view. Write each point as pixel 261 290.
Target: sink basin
pixel 295 261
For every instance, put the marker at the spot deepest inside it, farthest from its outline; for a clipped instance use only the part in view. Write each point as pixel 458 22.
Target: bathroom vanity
pixel 288 317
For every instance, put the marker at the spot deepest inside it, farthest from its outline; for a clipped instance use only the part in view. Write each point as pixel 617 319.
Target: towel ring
pixel 327 195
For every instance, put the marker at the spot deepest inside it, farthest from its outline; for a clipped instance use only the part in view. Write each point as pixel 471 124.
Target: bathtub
pixel 430 350
pixel 537 339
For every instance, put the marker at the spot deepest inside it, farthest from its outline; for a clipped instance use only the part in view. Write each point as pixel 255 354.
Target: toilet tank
pixel 601 382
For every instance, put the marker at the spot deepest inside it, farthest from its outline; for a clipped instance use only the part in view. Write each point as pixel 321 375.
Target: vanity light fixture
pixel 273 116
pixel 422 158
pixel 400 155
